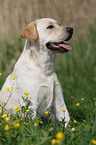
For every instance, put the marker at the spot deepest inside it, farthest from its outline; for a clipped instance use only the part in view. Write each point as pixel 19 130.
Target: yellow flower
pixel 41 122
pixel 82 99
pixel 26 93
pixel 93 98
pixel 75 121
pixel 4 115
pixel 46 112
pixel 77 104
pixel 93 141
pixel 27 111
pixel 3 102
pixel 7 89
pixel 0 124
pixel 13 78
pixel 0 111
pixel 0 74
pixel 16 125
pixel 10 108
pixel 21 119
pixel 57 141
pixel 63 110
pixel 6 127
pixel 53 141
pixel 59 135
pixel 16 108
pixel 11 88
pixel 35 124
pixel 7 119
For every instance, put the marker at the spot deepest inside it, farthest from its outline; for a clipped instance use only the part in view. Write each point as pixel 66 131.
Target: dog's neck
pixel 43 58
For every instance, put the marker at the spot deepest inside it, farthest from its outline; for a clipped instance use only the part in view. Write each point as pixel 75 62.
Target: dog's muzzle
pixel 61 47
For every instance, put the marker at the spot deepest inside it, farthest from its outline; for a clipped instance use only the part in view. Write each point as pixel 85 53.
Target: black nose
pixel 69 30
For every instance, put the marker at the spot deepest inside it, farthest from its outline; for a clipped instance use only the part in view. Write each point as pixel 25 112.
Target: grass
pixel 76 71
pixel 15 129
pixel 15 16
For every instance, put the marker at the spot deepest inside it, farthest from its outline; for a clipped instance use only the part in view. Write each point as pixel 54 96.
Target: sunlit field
pixel 76 71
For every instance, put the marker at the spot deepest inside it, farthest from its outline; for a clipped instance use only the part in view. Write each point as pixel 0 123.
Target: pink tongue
pixel 68 47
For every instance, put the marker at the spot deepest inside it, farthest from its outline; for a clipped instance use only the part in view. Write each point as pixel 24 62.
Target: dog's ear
pixel 30 32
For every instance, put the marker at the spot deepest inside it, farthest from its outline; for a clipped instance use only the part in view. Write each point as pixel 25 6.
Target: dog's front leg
pixel 59 103
pixel 33 110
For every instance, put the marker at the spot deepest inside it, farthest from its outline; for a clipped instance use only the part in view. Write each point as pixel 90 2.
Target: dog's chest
pixel 37 85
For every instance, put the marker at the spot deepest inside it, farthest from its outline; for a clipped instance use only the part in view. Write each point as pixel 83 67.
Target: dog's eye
pixel 50 27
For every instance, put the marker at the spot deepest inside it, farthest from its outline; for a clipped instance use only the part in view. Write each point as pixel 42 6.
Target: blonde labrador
pixel 35 70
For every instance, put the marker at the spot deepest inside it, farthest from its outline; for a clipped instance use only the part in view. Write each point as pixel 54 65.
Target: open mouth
pixel 59 47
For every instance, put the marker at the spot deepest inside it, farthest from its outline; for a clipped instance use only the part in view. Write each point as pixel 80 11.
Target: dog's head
pixel 49 34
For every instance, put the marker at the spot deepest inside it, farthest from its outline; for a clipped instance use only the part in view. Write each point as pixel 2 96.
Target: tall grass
pixel 10 50
pixel 78 67
pixel 15 15
pixel 76 71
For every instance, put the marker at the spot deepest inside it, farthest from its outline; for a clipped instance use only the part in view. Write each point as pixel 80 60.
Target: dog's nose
pixel 69 30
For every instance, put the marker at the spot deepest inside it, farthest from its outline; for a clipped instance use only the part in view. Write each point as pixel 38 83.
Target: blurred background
pixel 15 15
pixel 76 70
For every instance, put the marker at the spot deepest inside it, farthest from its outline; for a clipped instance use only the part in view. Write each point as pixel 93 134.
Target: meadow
pixel 76 72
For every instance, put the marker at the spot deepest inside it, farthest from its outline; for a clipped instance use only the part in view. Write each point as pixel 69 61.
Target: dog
pixel 34 71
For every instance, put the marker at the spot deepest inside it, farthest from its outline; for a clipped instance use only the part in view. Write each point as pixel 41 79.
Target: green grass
pixel 76 71
pixel 32 132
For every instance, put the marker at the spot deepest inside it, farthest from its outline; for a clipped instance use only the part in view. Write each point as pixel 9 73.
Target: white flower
pixel 73 129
